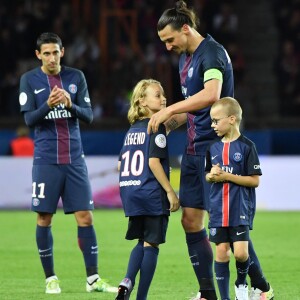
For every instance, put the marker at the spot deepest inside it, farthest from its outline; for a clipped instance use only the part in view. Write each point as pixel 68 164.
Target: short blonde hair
pixel 136 111
pixel 231 107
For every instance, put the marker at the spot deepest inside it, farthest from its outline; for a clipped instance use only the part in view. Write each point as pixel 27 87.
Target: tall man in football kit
pixel 206 74
pixel 53 98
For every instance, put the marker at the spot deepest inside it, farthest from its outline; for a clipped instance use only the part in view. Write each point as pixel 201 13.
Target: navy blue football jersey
pixel 209 55
pixel 57 135
pixel 140 191
pixel 232 204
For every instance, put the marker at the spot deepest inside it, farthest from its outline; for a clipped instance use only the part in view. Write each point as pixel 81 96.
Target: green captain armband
pixel 213 74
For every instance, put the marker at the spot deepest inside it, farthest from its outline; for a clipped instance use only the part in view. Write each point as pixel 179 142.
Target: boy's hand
pixel 174 201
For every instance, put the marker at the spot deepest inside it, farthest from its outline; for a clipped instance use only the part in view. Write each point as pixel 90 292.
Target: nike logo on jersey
pixel 239 233
pixel 94 247
pixel 91 202
pixel 213 157
pixel 38 91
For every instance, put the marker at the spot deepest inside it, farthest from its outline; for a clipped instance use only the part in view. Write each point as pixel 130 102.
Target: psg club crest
pixel 35 201
pixel 72 88
pixel 213 231
pixel 190 72
pixel 237 156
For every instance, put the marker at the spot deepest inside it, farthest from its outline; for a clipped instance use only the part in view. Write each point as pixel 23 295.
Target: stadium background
pixel 115 44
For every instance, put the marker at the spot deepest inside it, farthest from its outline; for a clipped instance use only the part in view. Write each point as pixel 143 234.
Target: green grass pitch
pixel 275 236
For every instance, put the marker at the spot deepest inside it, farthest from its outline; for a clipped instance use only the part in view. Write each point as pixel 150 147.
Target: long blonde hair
pixel 136 111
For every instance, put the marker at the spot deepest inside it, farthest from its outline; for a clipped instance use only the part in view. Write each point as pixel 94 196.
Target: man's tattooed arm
pixel 175 122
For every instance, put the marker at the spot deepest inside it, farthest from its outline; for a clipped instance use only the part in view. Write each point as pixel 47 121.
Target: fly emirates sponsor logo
pixel 227 169
pixel 58 112
pixel 230 169
pixel 136 138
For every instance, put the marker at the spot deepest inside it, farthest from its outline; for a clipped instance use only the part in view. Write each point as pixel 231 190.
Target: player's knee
pixel 223 253
pixel 84 218
pixel 241 256
pixel 191 224
pixel 44 219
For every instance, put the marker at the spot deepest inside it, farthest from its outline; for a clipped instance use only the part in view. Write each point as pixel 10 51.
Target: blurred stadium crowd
pixel 132 49
pixel 287 66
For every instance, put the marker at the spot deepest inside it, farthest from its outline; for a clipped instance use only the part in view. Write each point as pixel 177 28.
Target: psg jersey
pixel 57 135
pixel 209 55
pixel 232 204
pixel 140 191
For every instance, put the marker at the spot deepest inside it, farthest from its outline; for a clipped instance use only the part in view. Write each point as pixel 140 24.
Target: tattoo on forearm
pixel 172 124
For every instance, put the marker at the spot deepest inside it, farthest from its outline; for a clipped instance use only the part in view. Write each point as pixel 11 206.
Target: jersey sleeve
pixel 35 116
pixel 253 164
pixel 81 107
pixel 26 95
pixel 83 113
pixel 158 143
pixel 214 58
pixel 83 97
pixel 32 113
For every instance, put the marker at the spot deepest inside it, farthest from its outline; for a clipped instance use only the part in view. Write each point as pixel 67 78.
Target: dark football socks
pixel 201 257
pixel 223 276
pixel 147 270
pixel 44 241
pixel 88 245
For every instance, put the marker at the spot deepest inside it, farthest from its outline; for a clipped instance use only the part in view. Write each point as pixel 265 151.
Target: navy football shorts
pixel 194 190
pixel 69 182
pixel 229 234
pixel 151 229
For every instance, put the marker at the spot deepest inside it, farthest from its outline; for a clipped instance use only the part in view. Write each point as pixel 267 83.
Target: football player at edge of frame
pixel 53 98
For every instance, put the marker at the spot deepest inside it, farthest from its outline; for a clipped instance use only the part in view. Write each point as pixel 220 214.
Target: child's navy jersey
pixel 232 204
pixel 209 55
pixel 57 135
pixel 140 191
